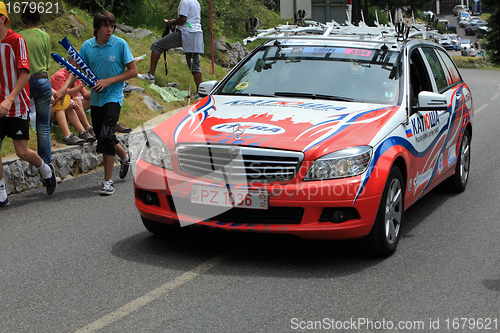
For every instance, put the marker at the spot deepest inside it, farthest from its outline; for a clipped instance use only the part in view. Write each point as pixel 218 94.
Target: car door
pixel 427 129
pixel 460 109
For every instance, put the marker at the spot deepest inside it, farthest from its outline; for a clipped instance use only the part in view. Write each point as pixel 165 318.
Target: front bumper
pixel 302 209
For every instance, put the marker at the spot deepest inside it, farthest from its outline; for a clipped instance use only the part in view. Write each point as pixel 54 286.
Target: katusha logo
pixel 249 128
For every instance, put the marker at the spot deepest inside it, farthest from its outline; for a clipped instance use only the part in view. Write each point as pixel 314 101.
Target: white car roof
pixel 347 34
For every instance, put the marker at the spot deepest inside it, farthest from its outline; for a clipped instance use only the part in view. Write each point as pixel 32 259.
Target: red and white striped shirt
pixel 13 57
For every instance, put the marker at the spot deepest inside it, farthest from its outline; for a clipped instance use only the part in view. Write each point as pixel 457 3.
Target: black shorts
pixel 104 119
pixel 15 128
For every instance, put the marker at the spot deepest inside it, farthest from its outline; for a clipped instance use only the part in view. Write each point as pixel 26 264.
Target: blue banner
pixel 72 69
pixel 79 61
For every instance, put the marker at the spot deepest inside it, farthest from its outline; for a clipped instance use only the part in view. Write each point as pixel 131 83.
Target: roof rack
pixel 389 33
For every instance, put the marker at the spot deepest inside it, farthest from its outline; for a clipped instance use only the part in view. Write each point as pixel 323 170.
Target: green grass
pixel 474 62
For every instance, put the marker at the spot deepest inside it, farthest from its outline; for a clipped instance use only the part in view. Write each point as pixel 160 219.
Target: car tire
pixel 458 182
pixel 160 229
pixel 384 236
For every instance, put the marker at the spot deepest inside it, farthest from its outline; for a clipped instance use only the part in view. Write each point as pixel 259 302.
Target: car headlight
pixel 344 163
pixel 156 152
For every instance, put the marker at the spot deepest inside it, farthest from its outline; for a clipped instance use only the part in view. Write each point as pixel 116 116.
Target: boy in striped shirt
pixel 15 101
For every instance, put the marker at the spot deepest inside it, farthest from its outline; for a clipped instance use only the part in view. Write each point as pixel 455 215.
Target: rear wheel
pixel 458 182
pixel 384 236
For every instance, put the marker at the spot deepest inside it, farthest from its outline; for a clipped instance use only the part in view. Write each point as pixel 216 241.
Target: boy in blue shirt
pixel 111 60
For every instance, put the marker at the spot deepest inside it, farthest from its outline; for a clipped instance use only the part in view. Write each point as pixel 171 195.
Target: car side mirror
pixel 430 101
pixel 206 87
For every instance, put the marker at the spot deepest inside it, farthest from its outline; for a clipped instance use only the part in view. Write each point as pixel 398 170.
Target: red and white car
pixel 313 134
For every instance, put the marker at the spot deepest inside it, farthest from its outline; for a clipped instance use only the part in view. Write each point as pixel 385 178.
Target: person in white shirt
pixel 188 34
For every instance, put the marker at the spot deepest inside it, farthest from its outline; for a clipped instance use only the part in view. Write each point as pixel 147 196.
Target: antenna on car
pixel 402 31
pixel 251 26
pixel 299 18
pixel 380 33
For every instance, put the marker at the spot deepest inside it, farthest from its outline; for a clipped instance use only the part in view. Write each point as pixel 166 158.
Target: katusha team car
pixel 324 131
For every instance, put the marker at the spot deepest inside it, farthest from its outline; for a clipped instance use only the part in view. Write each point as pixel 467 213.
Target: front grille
pixel 273 215
pixel 239 164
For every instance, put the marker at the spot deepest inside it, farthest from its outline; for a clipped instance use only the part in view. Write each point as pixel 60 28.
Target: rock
pixel 152 104
pixel 76 155
pixel 31 170
pixel 77 28
pixel 73 20
pixel 89 162
pixel 124 28
pixel 238 48
pixel 6 177
pixel 220 46
pixel 32 183
pixel 231 54
pixel 17 176
pixel 140 33
pixel 130 88
pixel 59 161
pixel 64 169
pixel 75 32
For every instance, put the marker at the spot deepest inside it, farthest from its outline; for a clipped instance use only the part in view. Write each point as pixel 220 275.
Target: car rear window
pixel 453 74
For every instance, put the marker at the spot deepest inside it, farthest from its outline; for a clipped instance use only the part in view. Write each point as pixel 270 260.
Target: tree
pixel 493 35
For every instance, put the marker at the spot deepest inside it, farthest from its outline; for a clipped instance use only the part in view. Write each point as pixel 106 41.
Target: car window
pixel 451 68
pixel 419 77
pixel 437 70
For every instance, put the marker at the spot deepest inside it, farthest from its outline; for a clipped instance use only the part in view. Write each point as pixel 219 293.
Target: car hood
pixel 315 127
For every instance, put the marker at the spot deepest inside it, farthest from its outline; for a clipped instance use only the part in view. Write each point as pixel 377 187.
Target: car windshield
pixel 313 72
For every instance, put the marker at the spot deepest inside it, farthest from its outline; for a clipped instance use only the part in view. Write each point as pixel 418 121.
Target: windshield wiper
pixel 313 96
pixel 251 94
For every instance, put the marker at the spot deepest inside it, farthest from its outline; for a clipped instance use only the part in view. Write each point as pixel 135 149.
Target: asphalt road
pixel 79 262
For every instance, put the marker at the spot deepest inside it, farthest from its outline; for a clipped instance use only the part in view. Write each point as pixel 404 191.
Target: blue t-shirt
pixel 107 61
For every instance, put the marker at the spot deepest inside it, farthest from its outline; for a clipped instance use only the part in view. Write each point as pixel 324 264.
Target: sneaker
pixel 108 187
pixel 90 130
pixel 4 203
pixel 73 140
pixel 50 183
pixel 87 137
pixel 173 84
pixel 125 165
pixel 147 77
pixel 122 129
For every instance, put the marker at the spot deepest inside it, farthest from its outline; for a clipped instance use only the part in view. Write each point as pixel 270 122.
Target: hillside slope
pixel 134 111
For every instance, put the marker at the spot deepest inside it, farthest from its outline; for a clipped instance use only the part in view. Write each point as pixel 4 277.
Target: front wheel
pixel 384 236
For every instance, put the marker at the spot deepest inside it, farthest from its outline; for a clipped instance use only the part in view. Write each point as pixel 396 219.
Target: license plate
pixel 218 196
